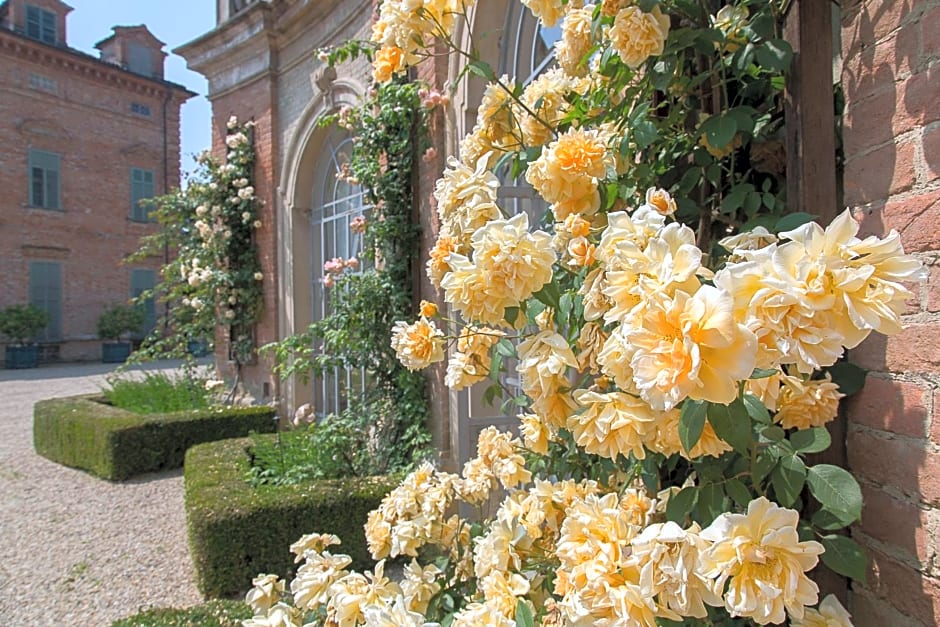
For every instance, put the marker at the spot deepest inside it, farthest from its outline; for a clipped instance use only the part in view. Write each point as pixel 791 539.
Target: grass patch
pixel 215 613
pixel 158 393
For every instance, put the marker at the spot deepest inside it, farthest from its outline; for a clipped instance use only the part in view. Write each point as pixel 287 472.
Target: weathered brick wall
pixel 892 181
pixel 84 116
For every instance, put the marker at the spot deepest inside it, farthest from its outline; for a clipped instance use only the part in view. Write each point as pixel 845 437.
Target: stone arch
pixel 303 149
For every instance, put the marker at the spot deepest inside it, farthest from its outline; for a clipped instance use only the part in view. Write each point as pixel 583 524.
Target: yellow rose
pixel 761 558
pixel 636 36
pixel 508 265
pixel 418 345
pixel 575 41
pixel 803 404
pixel 689 345
pixel 428 309
pixel 830 614
pixel 567 172
pixel 613 424
pixel 388 60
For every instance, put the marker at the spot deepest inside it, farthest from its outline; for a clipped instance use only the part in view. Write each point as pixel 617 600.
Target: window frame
pixel 49 193
pixel 42 24
pixel 43 293
pixel 137 212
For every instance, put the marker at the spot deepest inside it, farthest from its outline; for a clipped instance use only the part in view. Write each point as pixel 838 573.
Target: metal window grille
pixel 336 203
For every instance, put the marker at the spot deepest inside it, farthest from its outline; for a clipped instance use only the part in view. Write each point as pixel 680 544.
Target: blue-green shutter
pixel 41 24
pixel 45 291
pixel 141 281
pixel 44 179
pixel 142 188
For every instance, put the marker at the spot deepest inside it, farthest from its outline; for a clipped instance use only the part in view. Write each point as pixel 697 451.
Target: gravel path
pixel 78 551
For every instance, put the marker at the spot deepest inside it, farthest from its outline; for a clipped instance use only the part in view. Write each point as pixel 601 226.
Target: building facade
pixel 261 63
pixel 85 139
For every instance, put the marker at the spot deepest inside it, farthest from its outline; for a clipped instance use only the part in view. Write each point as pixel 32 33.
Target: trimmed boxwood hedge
pixel 85 432
pixel 237 531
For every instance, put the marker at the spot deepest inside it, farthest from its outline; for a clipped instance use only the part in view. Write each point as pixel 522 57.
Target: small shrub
pixel 237 531
pixel 111 443
pixel 214 613
pixel 120 320
pixel 159 393
pixel 20 324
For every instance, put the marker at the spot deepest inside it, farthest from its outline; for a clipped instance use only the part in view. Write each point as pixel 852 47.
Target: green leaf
pixel 710 504
pixel 815 440
pixel 831 521
pixel 680 504
pixel 482 68
pixel 773 433
pixel 549 295
pixel 849 377
pixel 835 489
pixel 645 133
pixel 756 410
pixel 691 423
pixel 775 54
pixel 792 221
pixel 743 118
pixel 763 373
pixel 719 130
pixel 738 492
pixel 762 466
pixel 732 424
pixel 524 616
pixel 505 348
pixel 788 479
pixel 511 314
pixel 844 556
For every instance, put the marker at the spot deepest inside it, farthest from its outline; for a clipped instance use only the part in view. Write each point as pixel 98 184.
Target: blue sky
pixel 172 21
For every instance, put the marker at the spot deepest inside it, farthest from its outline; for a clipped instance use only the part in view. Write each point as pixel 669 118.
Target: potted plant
pixel 115 326
pixel 20 324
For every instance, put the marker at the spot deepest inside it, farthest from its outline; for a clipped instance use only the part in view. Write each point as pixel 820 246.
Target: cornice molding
pixel 87 67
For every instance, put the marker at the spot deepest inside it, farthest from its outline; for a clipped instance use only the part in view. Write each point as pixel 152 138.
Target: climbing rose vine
pixel 678 337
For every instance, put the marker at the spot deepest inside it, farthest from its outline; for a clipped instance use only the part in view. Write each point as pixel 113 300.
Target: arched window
pixel 526 51
pixel 528 47
pixel 335 203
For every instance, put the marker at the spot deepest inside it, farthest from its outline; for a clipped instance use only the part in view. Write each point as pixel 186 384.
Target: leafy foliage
pixel 388 425
pixel 214 275
pixel 21 323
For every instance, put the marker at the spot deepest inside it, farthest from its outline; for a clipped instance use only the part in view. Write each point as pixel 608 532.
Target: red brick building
pixel 83 140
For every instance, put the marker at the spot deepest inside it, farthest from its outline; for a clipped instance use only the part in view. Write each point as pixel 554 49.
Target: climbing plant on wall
pixel 212 277
pixel 366 296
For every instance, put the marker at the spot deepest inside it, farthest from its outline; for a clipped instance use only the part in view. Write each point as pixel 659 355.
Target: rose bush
pixel 676 332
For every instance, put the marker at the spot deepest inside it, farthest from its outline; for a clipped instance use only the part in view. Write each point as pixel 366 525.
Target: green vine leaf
pixel 731 423
pixel 845 556
pixel 836 489
pixel 691 423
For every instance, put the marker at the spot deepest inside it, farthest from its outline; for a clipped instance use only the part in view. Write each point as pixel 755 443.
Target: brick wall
pixel 81 110
pixel 891 77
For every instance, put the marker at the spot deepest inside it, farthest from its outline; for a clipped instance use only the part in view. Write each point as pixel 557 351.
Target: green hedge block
pixel 237 531
pixel 84 432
